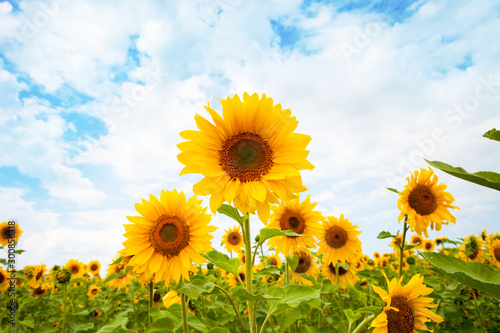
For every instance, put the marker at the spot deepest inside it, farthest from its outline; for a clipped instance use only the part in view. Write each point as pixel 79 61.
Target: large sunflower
pixel 425 202
pixel 233 239
pixel 345 275
pixel 9 232
pixel 298 217
pixel 405 311
pixel 339 240
pixel 170 234
pixel 249 157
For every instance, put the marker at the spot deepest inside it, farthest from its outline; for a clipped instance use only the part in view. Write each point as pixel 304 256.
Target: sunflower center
pixel 428 246
pixel 246 156
pixel 292 221
pixel 234 238
pixel 304 263
pixel 170 235
pixel 342 270
pixel 422 200
pixel 39 275
pixel 39 291
pixel 2 278
pixel 274 262
pixel 242 277
pixel 401 321
pixel 336 237
pixel 5 233
pixel 156 297
pixel 496 253
pixel 93 267
pixel 473 248
pixel 94 291
pixel 75 269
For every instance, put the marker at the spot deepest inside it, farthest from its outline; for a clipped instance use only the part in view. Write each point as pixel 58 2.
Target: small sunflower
pixel 418 241
pixel 4 280
pixel 76 268
pixel 425 202
pixel 172 297
pixel 250 156
pixel 9 232
pixel 339 240
pixel 124 280
pixel 428 245
pixel 298 217
pixel 274 260
pixel 495 252
pixel 242 257
pixel 471 249
pixel 233 239
pixel 233 281
pixel 96 314
pixel 405 311
pixel 93 291
pixel 347 273
pixel 35 275
pixel 307 265
pixel 170 234
pixel 40 291
pixel 376 255
pixel 94 268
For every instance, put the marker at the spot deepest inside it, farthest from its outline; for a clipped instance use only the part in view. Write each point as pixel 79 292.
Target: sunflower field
pixel 303 272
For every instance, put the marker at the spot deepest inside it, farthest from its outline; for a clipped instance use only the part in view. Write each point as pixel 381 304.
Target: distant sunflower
pixel 298 217
pixel 121 282
pixel 242 257
pixel 7 231
pixel 346 275
pixel 376 255
pixel 472 249
pixel 170 234
pixel 251 156
pixel 233 281
pixel 93 291
pixel 96 314
pixel 274 260
pixel 405 311
pixel 172 297
pixel 418 241
pixel 76 268
pixel 396 241
pixel 94 267
pixel 4 280
pixel 233 239
pixel 428 245
pixel 425 202
pixel 40 291
pixel 339 240
pixel 307 265
pixel 495 252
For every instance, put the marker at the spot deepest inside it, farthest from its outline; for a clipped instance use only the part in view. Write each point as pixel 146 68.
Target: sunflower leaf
pixel 392 190
pixel 268 271
pixel 221 260
pixel 266 233
pixel 492 134
pixel 161 325
pixel 117 261
pixel 473 274
pixel 198 285
pixel 231 212
pixel 409 247
pixel 293 262
pixel 112 277
pixel 484 178
pixel 385 234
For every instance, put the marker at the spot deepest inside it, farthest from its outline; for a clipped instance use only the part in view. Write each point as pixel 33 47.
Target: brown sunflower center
pixel 234 238
pixel 401 321
pixel 292 221
pixel 416 241
pixel 243 259
pixel 6 233
pixel 274 262
pixel 428 245
pixel 39 291
pixel 422 200
pixel 496 252
pixel 94 291
pixel 242 277
pixel 156 297
pixel 75 269
pixel 246 156
pixel 342 270
pixel 2 278
pixel 473 248
pixel 336 237
pixel 94 267
pixel 39 275
pixel 170 235
pixel 304 263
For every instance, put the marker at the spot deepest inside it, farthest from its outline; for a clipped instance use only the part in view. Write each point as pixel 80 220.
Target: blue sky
pixel 93 96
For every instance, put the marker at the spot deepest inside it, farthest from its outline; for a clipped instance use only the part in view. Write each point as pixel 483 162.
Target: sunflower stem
pixel 341 302
pixel 402 247
pixel 133 302
pixel 234 307
pixel 184 314
pixel 363 323
pixel 477 309
pixel 151 297
pixel 248 274
pixel 64 306
pixel 287 275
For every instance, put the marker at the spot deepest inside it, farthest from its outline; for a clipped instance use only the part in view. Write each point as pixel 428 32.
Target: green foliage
pixel 232 213
pixel 492 134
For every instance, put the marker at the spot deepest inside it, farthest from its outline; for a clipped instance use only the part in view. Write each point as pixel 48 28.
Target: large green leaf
pixel 221 260
pixel 484 178
pixel 114 324
pixel 231 212
pixel 473 274
pixel 493 134
pixel 161 325
pixel 291 296
pixel 198 285
pixel 266 233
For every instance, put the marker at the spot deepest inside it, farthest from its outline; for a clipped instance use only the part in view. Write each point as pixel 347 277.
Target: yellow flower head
pixel 495 252
pixel 307 265
pixel 167 237
pixel 418 241
pixel 472 249
pixel 428 245
pixel 347 274
pixel 274 260
pixel 249 157
pixel 339 240
pixel 298 217
pixel 405 310
pixel 124 280
pixel 93 291
pixel 425 202
pixel 233 239
pixel 9 232
pixel 94 267
pixel 76 268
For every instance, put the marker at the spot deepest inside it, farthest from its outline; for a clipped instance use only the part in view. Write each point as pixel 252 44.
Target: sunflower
pixel 242 257
pixel 40 291
pixel 251 156
pixel 170 234
pixel 93 291
pixel 4 280
pixel 339 240
pixel 405 311
pixel 396 242
pixel 124 280
pixel 172 297
pixel 495 252
pixel 425 202
pixel 471 249
pixel 94 267
pixel 233 281
pixel 306 265
pixel 428 245
pixel 35 275
pixel 96 314
pixel 233 239
pixel 376 255
pixel 298 217
pixel 9 232
pixel 347 273
pixel 274 260
pixel 76 268
pixel 418 241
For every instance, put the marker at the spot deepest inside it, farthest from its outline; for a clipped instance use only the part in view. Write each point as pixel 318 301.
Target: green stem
pixel 402 247
pixel 133 303
pixel 340 292
pixel 265 321
pixel 151 297
pixel 363 323
pixel 64 307
pixel 287 274
pixel 234 306
pixel 477 309
pixel 184 314
pixel 248 274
